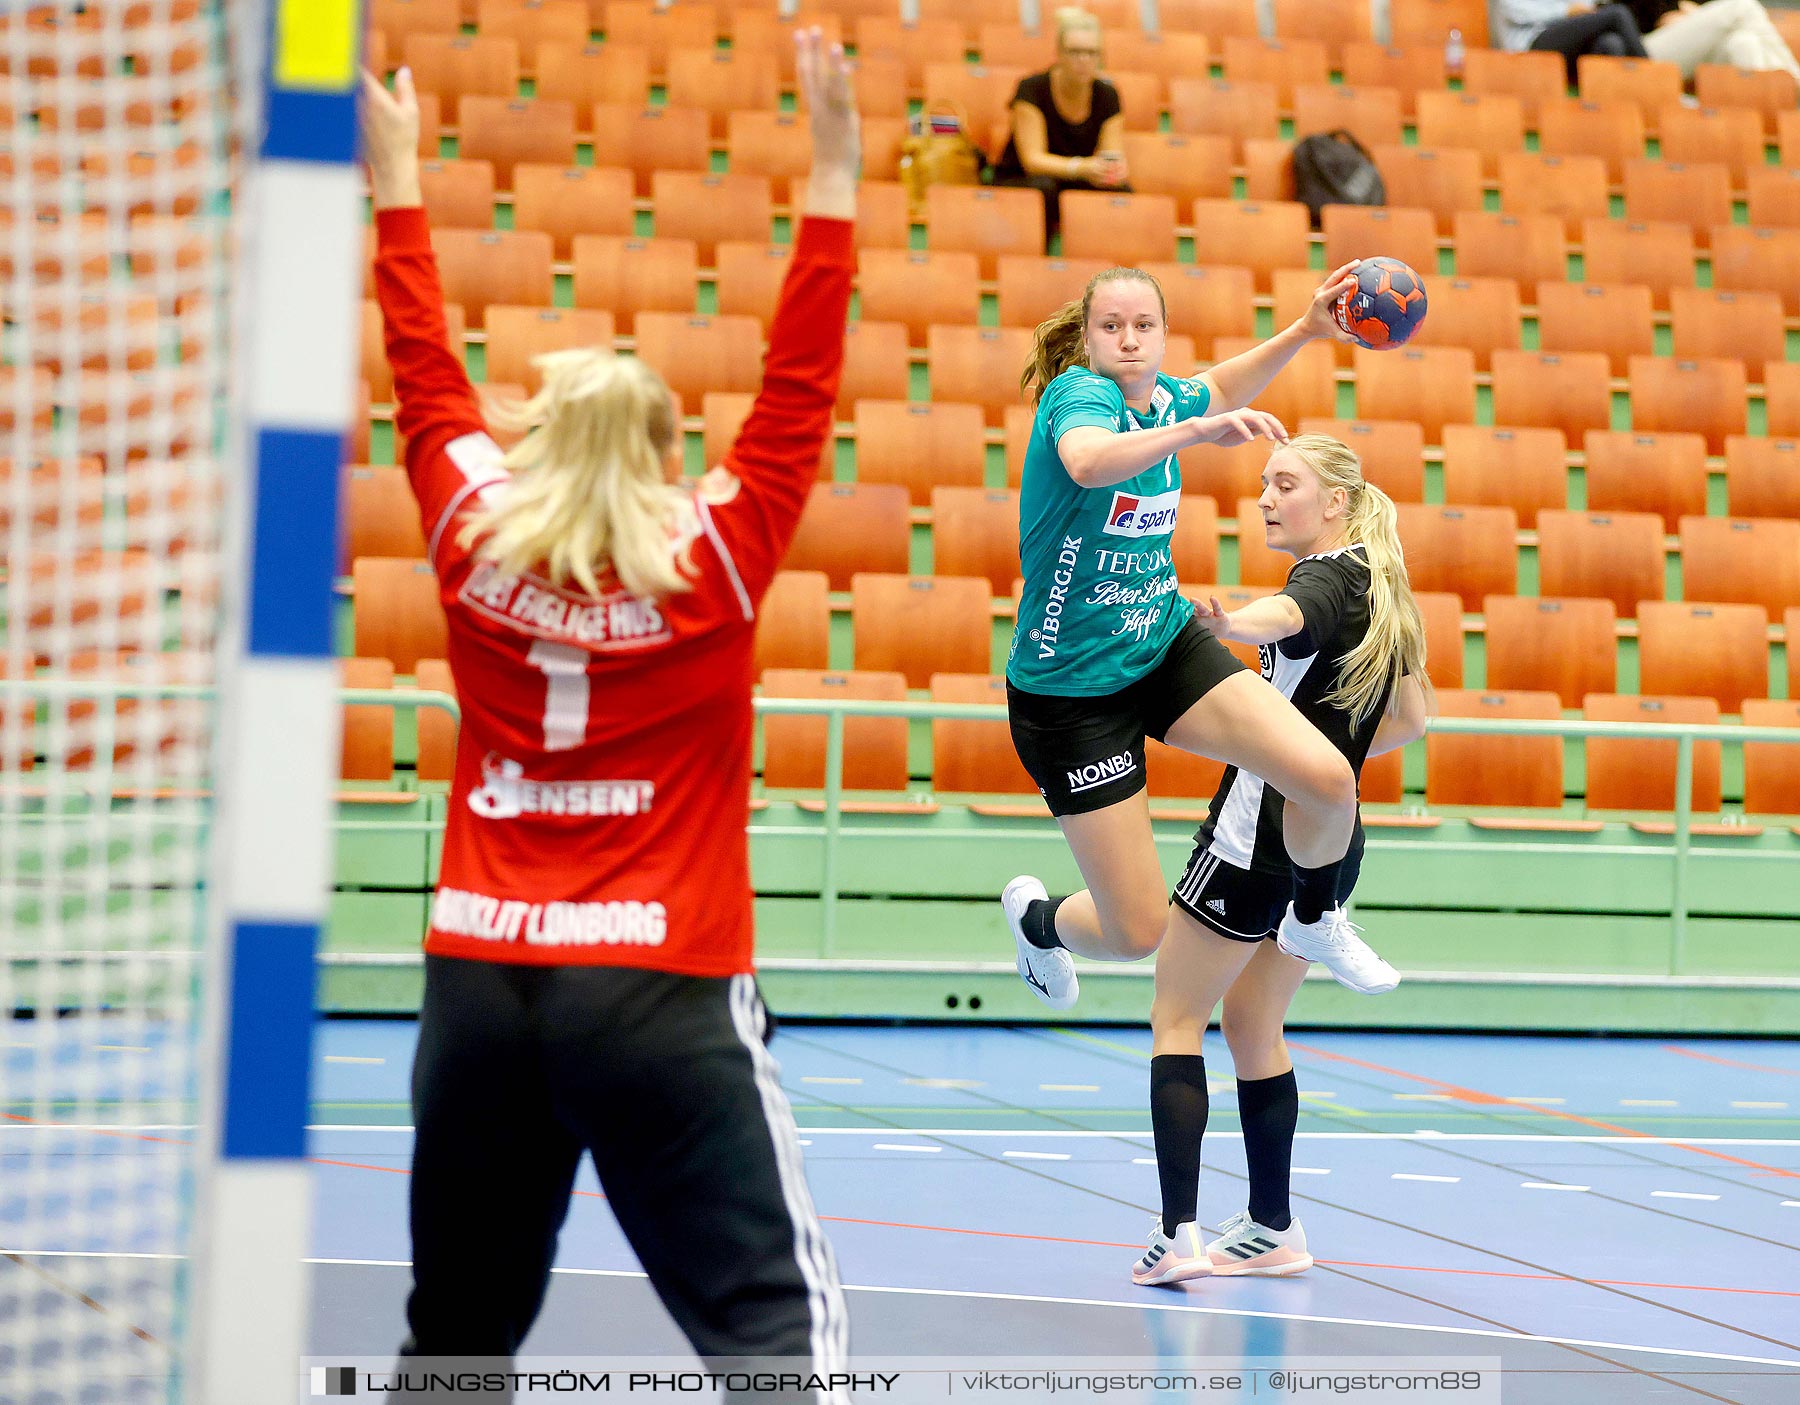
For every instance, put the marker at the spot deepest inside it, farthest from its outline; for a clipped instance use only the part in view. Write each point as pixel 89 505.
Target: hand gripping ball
pixel 1385 307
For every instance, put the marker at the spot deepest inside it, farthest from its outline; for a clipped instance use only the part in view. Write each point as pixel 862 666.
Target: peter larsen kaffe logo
pixel 334 1380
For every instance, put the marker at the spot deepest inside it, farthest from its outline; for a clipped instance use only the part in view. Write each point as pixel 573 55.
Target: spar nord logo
pixel 1134 516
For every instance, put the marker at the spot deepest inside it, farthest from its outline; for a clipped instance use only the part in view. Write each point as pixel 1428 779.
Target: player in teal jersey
pixel 1106 650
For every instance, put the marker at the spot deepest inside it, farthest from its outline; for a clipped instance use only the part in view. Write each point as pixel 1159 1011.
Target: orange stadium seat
pixel 695 354
pixel 1731 136
pixel 1571 187
pixel 851 527
pixel 921 625
pixel 1335 23
pixel 875 365
pixel 794 747
pixel 1696 195
pixel 1392 452
pixel 1434 385
pixel 1368 231
pixel 659 29
pixel 515 335
pixel 1430 22
pixel 1443 614
pixel 773 144
pixel 709 207
pixel 915 44
pixel 1479 313
pixel 1640 775
pixel 1225 475
pixel 883 140
pixel 458 194
pixel 1372 115
pixel 984 95
pixel 974 757
pixel 436 729
pixel 1212 107
pixel 748 278
pixel 919 445
pixel 381 516
pixel 1706 395
pixel 399 616
pixel 1521 772
pixel 366 748
pixel 646 140
pixel 1566 647
pixel 1128 229
pixel 1746 560
pixel 1744 325
pixel 720 82
pixel 558 22
pixel 1195 545
pixel 881 88
pixel 722 415
pixel 1762 479
pixel 1305 386
pixel 1171 773
pixel 1524 469
pixel 628 276
pixel 1206 301
pixel 1635 472
pixel 757 30
pixel 590 75
pixel 1492 124
pixel 1258 563
pixel 1213 17
pixel 565 201
pixel 455 66
pixel 1443 181
pixel 1772 196
pixel 1031 288
pixel 916 288
pixel 1017 431
pixel 975 532
pixel 1187 167
pixel 1570 391
pixel 1285 64
pixel 1781 398
pixel 1170 53
pixel 1751 260
pixel 1769 92
pixel 1649 84
pixel 479 267
pixel 793 625
pixel 1140 97
pixel 1613 131
pixel 1703 651
pixel 395 19
pixel 985 221
pixel 1771 769
pixel 1268 169
pixel 1529 249
pixel 1259 237
pixel 882 221
pixel 1535 78
pixel 1656 254
pixel 980 365
pixel 1467 550
pixel 1617 556
pixel 1408 70
pixel 1615 319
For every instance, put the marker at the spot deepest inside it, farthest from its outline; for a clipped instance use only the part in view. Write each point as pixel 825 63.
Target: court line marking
pixel 1648 1102
pixel 351 1059
pixel 1681 1195
pixel 1309 1170
pixel 1409 1176
pixel 1790 1204
pixel 1424 1135
pixel 1773 1107
pixel 902 1146
pixel 1526 1098
pixel 1729 1063
pixel 1550 1185
pixel 1146 1305
pixel 1037 1155
pixel 1068 1087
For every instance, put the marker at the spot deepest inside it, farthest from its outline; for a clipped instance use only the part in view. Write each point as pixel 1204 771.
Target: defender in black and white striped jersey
pixel 1344 642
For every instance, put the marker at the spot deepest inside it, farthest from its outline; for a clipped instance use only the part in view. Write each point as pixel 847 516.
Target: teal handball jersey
pixel 1101 605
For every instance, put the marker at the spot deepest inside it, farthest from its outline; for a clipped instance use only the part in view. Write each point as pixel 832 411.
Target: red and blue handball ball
pixel 1386 306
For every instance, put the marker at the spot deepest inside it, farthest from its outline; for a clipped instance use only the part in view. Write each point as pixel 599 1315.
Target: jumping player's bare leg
pixel 1246 723
pixel 1121 913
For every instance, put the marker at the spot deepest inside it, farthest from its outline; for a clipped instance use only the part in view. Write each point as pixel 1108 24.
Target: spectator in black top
pixel 1067 129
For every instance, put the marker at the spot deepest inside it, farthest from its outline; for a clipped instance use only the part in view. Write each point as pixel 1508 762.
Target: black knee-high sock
pixel 1178 1118
pixel 1039 921
pixel 1268 1108
pixel 1315 890
pixel 1349 868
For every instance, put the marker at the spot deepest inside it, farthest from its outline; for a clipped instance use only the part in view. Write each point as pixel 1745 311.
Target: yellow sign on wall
pixel 315 44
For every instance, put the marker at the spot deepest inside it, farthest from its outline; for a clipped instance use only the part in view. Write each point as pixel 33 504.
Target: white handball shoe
pixel 1246 1249
pixel 1173 1258
pixel 1333 942
pixel 1049 971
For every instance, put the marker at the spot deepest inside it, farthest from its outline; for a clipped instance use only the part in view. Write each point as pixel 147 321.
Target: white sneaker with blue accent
pixel 1172 1258
pixel 1048 970
pixel 1246 1249
pixel 1333 942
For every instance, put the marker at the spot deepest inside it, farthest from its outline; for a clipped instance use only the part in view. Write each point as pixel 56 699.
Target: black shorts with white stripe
pixel 1243 904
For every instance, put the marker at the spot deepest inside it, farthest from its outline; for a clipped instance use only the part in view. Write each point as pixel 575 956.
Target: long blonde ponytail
pixel 1395 642
pixel 1061 340
pixel 587 488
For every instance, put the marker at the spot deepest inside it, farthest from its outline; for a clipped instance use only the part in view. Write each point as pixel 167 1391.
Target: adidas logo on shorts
pixel 1217 905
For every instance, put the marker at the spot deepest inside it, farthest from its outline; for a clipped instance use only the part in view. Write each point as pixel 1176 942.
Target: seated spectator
pixel 1067 129
pixel 1737 32
pixel 1568 29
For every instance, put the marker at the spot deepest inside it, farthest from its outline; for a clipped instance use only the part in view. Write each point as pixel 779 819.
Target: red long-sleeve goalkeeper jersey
pixel 602 783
